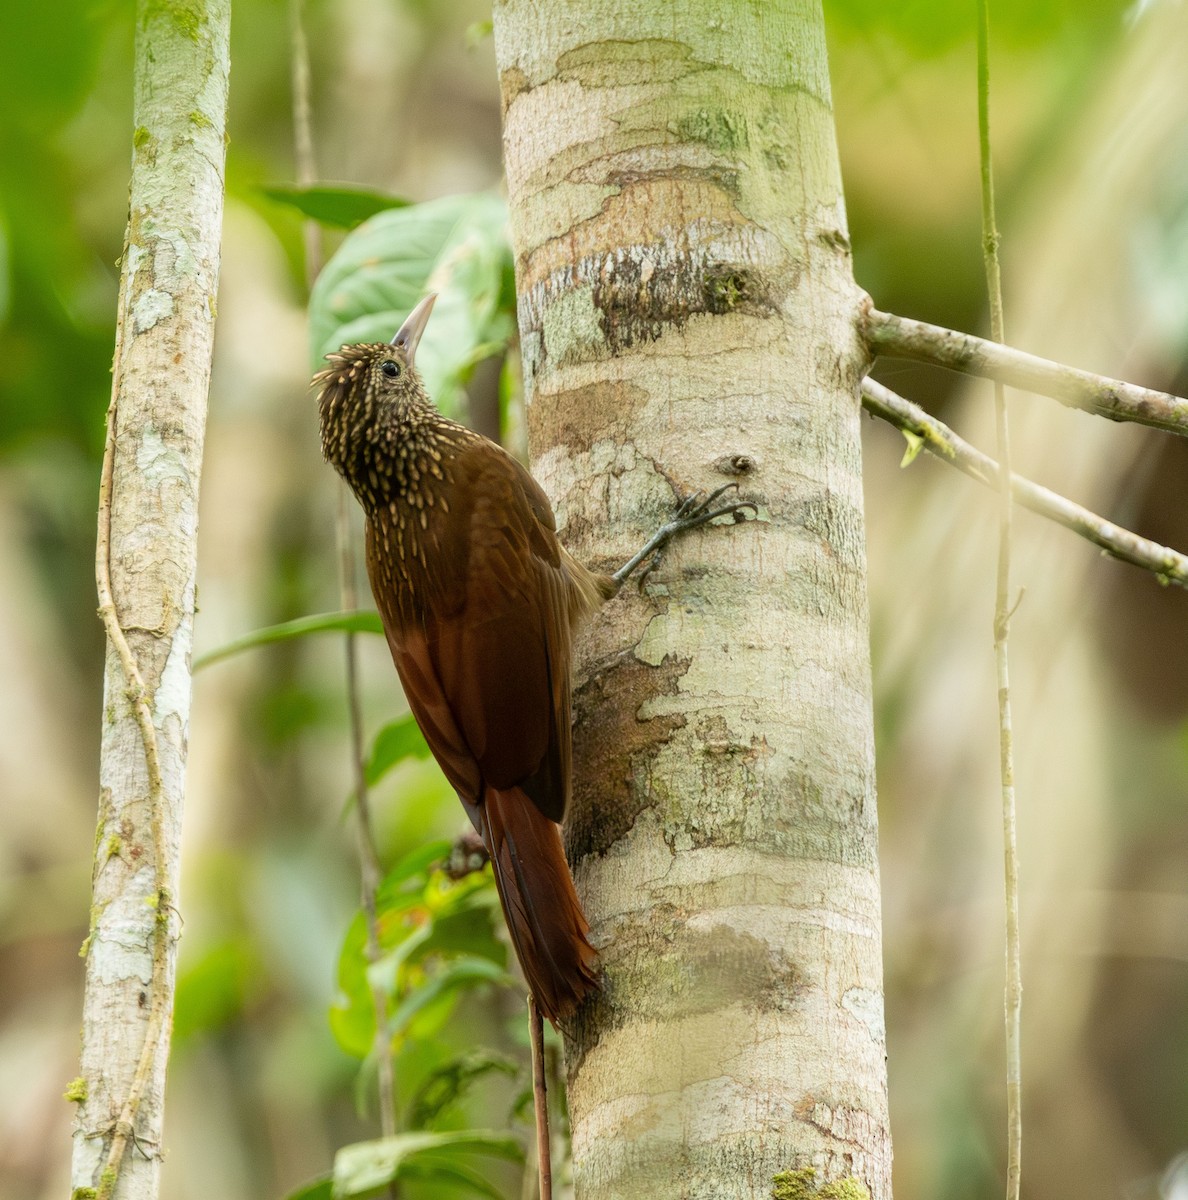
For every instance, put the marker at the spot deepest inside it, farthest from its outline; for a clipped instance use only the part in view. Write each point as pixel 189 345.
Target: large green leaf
pixel 364 1166
pixel 455 246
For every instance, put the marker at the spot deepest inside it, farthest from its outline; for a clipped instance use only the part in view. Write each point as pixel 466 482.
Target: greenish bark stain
pixel 802 1185
pixel 185 14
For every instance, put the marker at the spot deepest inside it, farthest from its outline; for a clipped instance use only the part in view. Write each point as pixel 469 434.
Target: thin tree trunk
pixel 688 317
pixel 145 565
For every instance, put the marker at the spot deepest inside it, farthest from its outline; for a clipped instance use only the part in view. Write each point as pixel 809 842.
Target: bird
pixel 479 602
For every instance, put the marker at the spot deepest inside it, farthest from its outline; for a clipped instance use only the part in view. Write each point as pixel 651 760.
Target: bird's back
pixel 479 600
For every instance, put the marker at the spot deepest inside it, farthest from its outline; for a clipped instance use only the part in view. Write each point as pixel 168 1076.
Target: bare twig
pixel 1013 993
pixel 370 870
pixel 1170 566
pixel 902 337
pixel 540 1097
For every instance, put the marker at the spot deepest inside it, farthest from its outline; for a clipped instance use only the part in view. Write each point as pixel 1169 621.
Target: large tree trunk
pixel 146 564
pixel 687 310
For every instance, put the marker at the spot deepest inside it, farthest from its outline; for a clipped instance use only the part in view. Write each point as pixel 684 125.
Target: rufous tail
pixel 544 915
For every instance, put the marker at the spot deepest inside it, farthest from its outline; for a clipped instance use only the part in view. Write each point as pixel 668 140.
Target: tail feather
pixel 544 916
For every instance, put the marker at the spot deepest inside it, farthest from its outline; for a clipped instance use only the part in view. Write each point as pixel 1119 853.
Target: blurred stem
pixel 1168 565
pixel 482 394
pixel 1002 616
pixel 303 151
pixel 540 1096
pixel 370 870
pixel 369 864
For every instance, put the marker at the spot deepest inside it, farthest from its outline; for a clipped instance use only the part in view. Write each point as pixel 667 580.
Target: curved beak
pixel 409 335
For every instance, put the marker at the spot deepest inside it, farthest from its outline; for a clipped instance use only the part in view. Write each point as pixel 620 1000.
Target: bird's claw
pixel 698 508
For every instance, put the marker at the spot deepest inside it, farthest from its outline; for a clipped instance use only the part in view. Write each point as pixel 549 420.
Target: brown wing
pixel 485 664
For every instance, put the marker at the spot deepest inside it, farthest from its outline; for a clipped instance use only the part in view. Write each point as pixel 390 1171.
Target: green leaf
pixel 343 622
pixel 319 1189
pixel 364 1166
pixel 455 246
pixel 352 1015
pixel 385 971
pixel 467 971
pixel 447 1083
pixel 470 928
pixel 422 915
pixel 433 1168
pixel 915 444
pixel 416 862
pixel 338 205
pixel 395 742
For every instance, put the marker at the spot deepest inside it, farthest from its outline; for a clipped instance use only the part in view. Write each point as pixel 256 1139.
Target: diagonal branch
pixel 902 337
pixel 1170 566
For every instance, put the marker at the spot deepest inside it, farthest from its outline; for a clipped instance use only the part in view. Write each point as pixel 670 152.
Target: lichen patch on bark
pixel 613 748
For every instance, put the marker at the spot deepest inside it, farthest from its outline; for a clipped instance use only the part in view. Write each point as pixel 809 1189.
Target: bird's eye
pixel 390 369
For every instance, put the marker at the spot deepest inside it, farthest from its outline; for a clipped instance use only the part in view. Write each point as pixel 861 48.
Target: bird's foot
pixel 467 855
pixel 693 510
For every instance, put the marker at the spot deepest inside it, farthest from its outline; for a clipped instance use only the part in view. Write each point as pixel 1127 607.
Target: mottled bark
pixel 688 316
pixel 146 565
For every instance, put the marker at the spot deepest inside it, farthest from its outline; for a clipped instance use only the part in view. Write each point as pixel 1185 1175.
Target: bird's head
pixel 368 388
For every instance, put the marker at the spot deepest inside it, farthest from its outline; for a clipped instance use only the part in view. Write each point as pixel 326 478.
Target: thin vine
pixel 137 694
pixel 370 870
pixel 1002 615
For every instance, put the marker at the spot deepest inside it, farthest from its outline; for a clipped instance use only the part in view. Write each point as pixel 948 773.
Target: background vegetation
pixel 1091 147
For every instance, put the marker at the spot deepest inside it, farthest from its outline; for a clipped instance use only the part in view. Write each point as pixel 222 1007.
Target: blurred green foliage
pixel 927 27
pixel 57 294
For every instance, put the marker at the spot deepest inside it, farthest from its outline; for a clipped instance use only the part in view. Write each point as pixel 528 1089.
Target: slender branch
pixel 902 337
pixel 1168 565
pixel 370 870
pixel 1013 991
